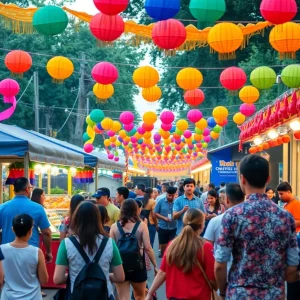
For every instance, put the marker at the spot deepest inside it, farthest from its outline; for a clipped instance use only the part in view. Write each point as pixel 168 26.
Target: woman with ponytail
pixel 188 263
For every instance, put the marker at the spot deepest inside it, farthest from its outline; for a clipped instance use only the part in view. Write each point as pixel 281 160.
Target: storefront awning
pixel 16 142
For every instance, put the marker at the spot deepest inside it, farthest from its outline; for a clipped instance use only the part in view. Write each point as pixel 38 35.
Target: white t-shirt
pixel 213 229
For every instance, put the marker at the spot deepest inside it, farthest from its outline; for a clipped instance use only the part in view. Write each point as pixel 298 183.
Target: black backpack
pixel 130 250
pixel 91 283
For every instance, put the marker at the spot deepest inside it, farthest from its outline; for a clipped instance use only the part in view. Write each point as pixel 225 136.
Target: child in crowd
pixel 22 267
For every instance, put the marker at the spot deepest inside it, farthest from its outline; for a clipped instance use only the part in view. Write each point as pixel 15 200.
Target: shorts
pixel 166 236
pixel 137 276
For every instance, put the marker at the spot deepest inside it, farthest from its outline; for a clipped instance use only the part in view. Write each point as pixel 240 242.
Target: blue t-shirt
pixel 165 208
pixel 132 195
pixel 22 205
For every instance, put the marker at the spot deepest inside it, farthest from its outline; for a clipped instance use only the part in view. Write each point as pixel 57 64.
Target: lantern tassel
pixel 287 55
pixel 16 75
pixel 101 101
pixel 58 81
pixel 19 27
pixel 227 56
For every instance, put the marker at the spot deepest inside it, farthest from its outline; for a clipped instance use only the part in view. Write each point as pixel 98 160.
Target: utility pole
pixel 36 101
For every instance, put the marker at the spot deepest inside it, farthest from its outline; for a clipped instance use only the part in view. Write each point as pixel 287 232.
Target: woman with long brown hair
pixel 89 233
pixel 188 263
pixel 130 224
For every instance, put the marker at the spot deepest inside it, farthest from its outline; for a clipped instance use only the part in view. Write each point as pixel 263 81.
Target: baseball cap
pixel 102 192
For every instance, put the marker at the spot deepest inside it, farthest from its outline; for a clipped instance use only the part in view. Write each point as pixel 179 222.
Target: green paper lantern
pixel 90 122
pixel 290 76
pixel 217 129
pixel 179 132
pixel 132 132
pixel 97 115
pixel 207 11
pixel 263 78
pixel 50 20
pixel 204 145
pixel 198 131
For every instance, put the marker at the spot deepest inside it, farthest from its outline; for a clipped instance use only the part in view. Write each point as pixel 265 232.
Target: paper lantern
pixel 88 148
pixel 169 34
pixel 253 150
pixel 18 62
pixel 167 117
pixel 152 94
pixel 105 73
pixel 148 127
pixel 111 7
pixel 50 20
pixel 166 127
pixel 145 77
pixel 211 122
pixel 161 9
pixel 116 126
pixel 290 76
pixel 225 38
pixel 214 135
pixel 97 115
pixel 194 97
pixel 207 11
pixel 189 78
pixel 249 94
pixel 202 124
pixel 217 129
pixel 278 11
pixel 263 78
pixel 60 68
pixel 9 87
pixel 233 78
pixel 239 118
pixel 107 123
pixel 194 115
pixel 285 39
pixel 220 113
pixel 286 138
pixel 126 117
pixel 247 109
pixel 128 127
pixel 149 118
pixel 103 91
pixel 107 28
pixel 182 125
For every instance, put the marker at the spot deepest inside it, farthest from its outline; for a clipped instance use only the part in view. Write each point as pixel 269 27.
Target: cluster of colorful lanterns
pixel 108 25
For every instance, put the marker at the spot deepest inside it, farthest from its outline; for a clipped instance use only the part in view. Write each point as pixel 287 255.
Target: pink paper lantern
pixel 9 87
pixel 116 159
pixel 126 117
pixel 194 115
pixel 199 145
pixel 166 127
pixel 111 7
pixel 187 134
pixel 105 73
pixel 207 139
pixel 206 132
pixel 133 139
pixel 167 117
pixel 141 130
pixel 88 148
pixel 110 133
pixel 110 156
pixel 247 109
pixel 128 127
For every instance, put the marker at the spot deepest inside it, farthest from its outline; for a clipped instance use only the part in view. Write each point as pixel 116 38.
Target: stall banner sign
pixel 223 168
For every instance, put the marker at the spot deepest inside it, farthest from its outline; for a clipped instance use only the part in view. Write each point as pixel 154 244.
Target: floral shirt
pixel 262 239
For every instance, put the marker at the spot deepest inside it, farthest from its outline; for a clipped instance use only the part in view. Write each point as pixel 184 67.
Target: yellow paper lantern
pixel 198 137
pixel 147 135
pixel 145 77
pixel 214 135
pixel 91 133
pixel 239 118
pixel 107 143
pixel 285 38
pixel 118 143
pixel 152 94
pixel 202 124
pixel 103 91
pixel 60 68
pixel 182 125
pixel 107 123
pixel 249 94
pixel 150 118
pixel 164 134
pixel 189 78
pixel 220 113
pixel 225 38
pixel 113 139
pixel 122 134
pixel 116 126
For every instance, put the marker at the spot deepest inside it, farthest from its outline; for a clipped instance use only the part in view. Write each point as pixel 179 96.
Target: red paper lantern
pixel 286 138
pixel 111 7
pixel 266 146
pixel 297 135
pixel 252 150
pixel 18 62
pixel 169 34
pixel 148 127
pixel 278 11
pixel 105 73
pixel 107 28
pixel 233 78
pixel 194 97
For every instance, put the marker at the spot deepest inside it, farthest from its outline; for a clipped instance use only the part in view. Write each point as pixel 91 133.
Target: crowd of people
pixel 236 241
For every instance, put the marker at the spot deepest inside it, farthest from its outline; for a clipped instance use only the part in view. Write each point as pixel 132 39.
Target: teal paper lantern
pixel 207 11
pixel 97 115
pixel 85 137
pixel 290 76
pixel 50 20
pixel 263 78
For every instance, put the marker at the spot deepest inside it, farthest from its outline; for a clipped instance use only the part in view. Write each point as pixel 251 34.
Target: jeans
pixel 152 233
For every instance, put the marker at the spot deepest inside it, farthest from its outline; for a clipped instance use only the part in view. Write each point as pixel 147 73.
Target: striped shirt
pixel 181 202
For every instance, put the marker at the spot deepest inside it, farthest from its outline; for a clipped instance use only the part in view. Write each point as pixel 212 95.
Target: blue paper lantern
pixel 173 129
pixel 211 122
pixel 162 9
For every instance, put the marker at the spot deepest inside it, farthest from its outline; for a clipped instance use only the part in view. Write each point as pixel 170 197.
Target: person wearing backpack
pixel 132 238
pixel 88 255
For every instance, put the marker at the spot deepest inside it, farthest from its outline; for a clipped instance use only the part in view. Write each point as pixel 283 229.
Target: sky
pixel 141 105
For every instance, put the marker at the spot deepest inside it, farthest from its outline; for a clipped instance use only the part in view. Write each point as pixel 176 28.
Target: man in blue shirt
pixel 164 213
pixel 185 202
pixel 21 204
